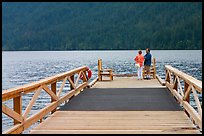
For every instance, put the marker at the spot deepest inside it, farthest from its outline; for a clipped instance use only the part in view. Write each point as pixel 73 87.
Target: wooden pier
pixel 123 105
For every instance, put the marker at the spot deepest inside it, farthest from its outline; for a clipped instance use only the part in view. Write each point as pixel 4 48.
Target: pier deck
pixel 124 105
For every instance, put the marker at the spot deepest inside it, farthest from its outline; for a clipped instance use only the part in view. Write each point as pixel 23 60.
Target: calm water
pixel 21 67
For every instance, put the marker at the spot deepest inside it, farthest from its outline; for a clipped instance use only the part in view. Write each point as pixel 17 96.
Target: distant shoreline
pixel 93 50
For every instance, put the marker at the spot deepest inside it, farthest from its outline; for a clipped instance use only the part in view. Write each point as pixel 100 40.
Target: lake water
pixel 21 67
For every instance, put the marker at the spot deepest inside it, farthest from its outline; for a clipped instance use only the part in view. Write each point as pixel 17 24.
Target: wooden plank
pixel 71 86
pixel 193 113
pixel 187 93
pixel 131 114
pixel 175 93
pixel 17 129
pixel 142 119
pixel 128 82
pixel 161 81
pixel 9 112
pixel 197 102
pixel 89 126
pixel 77 80
pixel 35 96
pixel 180 87
pixel 105 74
pixel 11 93
pixel 127 117
pixel 113 132
pixel 71 83
pixel 156 116
pixel 53 96
pixel 145 118
pixel 122 115
pixel 79 88
pixel 107 69
pixel 117 121
pixel 92 82
pixel 62 86
pixel 76 123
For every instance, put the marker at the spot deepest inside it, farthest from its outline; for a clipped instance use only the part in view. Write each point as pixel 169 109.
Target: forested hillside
pixel 104 26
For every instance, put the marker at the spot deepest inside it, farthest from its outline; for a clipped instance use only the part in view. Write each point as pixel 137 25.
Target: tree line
pixel 101 25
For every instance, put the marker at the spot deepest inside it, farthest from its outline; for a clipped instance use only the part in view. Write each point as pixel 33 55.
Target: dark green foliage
pixel 96 25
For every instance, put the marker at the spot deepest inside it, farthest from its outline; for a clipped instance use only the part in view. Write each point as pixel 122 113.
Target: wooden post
pixel 72 78
pixel 54 90
pixel 154 66
pixel 185 89
pixel 176 84
pixel 111 75
pixel 167 76
pixel 17 105
pixel 188 98
pixel 99 69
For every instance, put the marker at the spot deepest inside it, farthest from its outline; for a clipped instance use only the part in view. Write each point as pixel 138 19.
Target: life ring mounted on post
pixel 89 74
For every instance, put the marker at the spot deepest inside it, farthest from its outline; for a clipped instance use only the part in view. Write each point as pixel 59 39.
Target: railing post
pixel 99 69
pixel 188 97
pixel 167 76
pixel 111 75
pixel 17 106
pixel 72 78
pixel 54 90
pixel 154 67
pixel 185 89
pixel 176 84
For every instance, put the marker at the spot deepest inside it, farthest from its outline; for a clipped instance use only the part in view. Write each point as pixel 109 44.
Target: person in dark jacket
pixel 147 62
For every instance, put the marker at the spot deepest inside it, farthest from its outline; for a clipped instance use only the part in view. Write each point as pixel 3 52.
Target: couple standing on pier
pixel 146 59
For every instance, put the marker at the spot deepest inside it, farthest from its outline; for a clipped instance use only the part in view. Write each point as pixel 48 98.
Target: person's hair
pixel 140 52
pixel 148 49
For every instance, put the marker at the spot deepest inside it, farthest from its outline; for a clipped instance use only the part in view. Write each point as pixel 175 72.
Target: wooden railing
pixel 190 84
pixel 21 121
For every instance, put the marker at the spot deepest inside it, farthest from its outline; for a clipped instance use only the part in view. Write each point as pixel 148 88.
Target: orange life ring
pixel 89 73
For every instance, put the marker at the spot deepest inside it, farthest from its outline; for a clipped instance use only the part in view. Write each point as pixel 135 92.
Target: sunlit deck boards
pixel 128 82
pixel 124 105
pixel 119 122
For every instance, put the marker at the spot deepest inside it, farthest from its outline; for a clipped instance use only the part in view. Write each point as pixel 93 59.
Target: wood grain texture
pixel 125 122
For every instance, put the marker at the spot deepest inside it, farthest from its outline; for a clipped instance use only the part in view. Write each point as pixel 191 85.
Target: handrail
pixel 173 78
pixel 21 121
